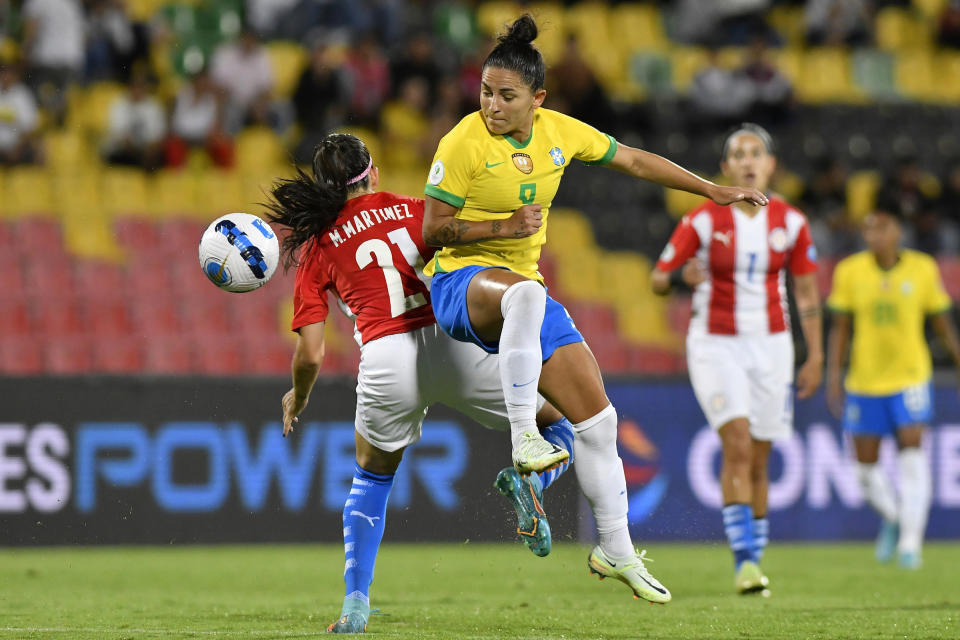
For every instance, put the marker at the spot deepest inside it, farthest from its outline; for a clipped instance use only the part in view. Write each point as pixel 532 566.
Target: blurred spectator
pixel 197 123
pixel 908 193
pixel 53 43
pixel 839 22
pixel 18 118
pixel 268 16
pixel 719 97
pixel 576 92
pixel 320 100
pixel 772 93
pixel 416 61
pixel 824 200
pixel 136 126
pixel 114 43
pixel 369 80
pixel 949 208
pixel 722 22
pixel 242 71
pixel 948 29
pixel 447 111
pixel 405 127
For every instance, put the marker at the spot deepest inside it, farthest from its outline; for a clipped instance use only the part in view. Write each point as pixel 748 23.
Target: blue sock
pixel 559 433
pixel 738 523
pixel 761 535
pixel 363 520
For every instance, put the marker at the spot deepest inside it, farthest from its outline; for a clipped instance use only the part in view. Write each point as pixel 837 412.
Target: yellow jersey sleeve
pixel 936 299
pixel 454 166
pixel 840 299
pixel 590 145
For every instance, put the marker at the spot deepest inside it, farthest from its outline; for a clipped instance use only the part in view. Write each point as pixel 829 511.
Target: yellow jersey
pixel 489 176
pixel 889 350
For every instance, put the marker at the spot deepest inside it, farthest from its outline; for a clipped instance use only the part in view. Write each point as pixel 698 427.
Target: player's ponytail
pixel 515 52
pixel 309 205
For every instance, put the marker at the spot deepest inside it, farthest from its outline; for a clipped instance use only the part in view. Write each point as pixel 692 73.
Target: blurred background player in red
pixel 367 249
pixel 739 346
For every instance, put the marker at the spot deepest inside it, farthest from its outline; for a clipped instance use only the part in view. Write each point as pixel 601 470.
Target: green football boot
pixel 526 495
pixel 749 578
pixel 353 617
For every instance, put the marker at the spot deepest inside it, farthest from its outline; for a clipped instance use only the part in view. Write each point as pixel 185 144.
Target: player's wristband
pixel 676 280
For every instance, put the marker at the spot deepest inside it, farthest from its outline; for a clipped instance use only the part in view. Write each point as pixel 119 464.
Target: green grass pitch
pixel 468 591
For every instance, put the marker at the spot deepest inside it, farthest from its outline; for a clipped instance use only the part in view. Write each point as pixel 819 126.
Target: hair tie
pixel 362 175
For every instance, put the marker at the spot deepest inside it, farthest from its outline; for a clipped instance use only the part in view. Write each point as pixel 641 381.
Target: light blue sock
pixel 363 519
pixel 559 433
pixel 738 524
pixel 761 535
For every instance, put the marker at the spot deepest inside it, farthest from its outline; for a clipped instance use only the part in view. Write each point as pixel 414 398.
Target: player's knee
pixel 526 297
pixel 600 431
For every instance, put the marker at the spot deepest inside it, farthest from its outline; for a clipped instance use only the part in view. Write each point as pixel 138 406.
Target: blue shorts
pixel 882 415
pixel 448 292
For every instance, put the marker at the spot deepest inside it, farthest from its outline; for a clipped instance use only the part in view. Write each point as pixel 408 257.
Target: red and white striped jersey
pixel 746 258
pixel 372 260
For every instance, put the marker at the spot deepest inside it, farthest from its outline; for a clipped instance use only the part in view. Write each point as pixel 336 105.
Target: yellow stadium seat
pixel 643 321
pixel 679 203
pixel 686 62
pixel 789 61
pixel 568 230
pixel 67 149
pixel 917 76
pixel 174 194
pixel 948 86
pixel 125 192
pixel 580 275
pixel 494 17
pixel 90 108
pixel 551 25
pixel 590 23
pixel 900 29
pixel 221 192
pixel 287 60
pixel 409 181
pixel 637 27
pixel 789 23
pixel 257 186
pixel 370 138
pixel 826 77
pixel 259 148
pixel 862 188
pixel 143 10
pixel 28 193
pixel 632 280
pixel 931 9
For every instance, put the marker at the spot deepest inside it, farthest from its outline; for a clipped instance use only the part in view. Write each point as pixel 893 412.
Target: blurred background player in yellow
pixel 489 190
pixel 739 345
pixel 882 295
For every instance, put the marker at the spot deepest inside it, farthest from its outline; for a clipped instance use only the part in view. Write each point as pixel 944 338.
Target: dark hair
pixel 515 52
pixel 309 206
pixel 753 129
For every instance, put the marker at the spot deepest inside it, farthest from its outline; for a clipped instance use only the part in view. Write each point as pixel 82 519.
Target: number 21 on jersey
pixel 376 248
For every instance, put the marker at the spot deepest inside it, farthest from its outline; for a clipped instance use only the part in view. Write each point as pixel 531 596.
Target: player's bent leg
pixel 571 381
pixel 916 491
pixel 878 492
pixel 525 493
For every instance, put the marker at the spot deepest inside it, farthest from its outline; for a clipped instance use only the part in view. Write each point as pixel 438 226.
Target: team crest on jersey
pixel 906 288
pixel 523 162
pixel 557 156
pixel 778 239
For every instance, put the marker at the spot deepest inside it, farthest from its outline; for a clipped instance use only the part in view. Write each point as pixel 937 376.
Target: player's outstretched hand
pixel 835 397
pixel 729 195
pixel 524 222
pixel 291 409
pixel 808 378
pixel 693 272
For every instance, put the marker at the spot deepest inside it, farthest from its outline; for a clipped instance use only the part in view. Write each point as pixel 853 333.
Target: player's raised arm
pixel 442 228
pixel 305 367
pixel 650 166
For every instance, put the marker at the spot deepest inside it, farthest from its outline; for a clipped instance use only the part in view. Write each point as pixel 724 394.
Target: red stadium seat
pixel 652 360
pixel 48 274
pixel 68 356
pixel 155 316
pixel 12 273
pixel 139 235
pixel 593 320
pixel 179 237
pixel 14 316
pixel 221 355
pixel 268 357
pixel 35 236
pixel 207 315
pixel 117 354
pixel 106 316
pixel 56 316
pixel 20 355
pixel 167 354
pixel 94 278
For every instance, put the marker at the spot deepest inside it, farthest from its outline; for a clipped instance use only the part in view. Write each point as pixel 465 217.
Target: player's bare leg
pixel 916 489
pixel 363 525
pixel 736 485
pixel 571 381
pixel 507 308
pixel 878 492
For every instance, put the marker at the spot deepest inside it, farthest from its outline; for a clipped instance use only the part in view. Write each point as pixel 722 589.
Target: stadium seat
pixel 89 110
pixel 268 357
pixel 37 237
pixel 105 315
pixel 139 236
pixel 825 77
pixel 931 9
pixel 862 189
pixel 44 274
pixel 66 150
pixel 686 62
pixel 917 75
pixel 568 230
pixel 258 149
pixel 654 360
pixel 125 192
pixel 948 81
pixel 21 355
pixel 899 29
pixel 221 192
pixel 67 356
pixel 639 27
pixel 287 59
pixel 154 315
pixel 679 203
pixel 873 72
pixel 220 355
pixel 117 354
pixel 167 354
pixel 789 23
pixel 96 278
pixel 551 22
pixel 12 272
pixel 493 17
pixel 173 193
pixel 27 193
pixel 14 317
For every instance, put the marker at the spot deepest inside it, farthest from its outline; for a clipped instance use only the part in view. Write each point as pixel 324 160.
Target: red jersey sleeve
pixel 803 256
pixel 310 291
pixel 683 245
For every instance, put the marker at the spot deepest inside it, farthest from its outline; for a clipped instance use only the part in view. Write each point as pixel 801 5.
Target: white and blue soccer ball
pixel 239 252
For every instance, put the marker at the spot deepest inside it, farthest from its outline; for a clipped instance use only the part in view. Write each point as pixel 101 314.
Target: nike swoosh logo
pixel 524 384
pixel 493 165
pixel 653 586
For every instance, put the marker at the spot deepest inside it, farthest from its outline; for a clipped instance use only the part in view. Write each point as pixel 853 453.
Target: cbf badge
pixel 557 156
pixel 523 162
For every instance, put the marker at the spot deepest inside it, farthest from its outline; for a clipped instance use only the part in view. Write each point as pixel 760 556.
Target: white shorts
pixel 403 374
pixel 744 377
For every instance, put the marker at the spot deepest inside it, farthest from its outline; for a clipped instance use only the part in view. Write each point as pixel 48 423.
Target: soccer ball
pixel 239 252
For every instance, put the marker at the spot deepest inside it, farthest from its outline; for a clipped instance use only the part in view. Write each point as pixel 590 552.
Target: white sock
pixel 523 305
pixel 916 489
pixel 600 473
pixel 877 490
